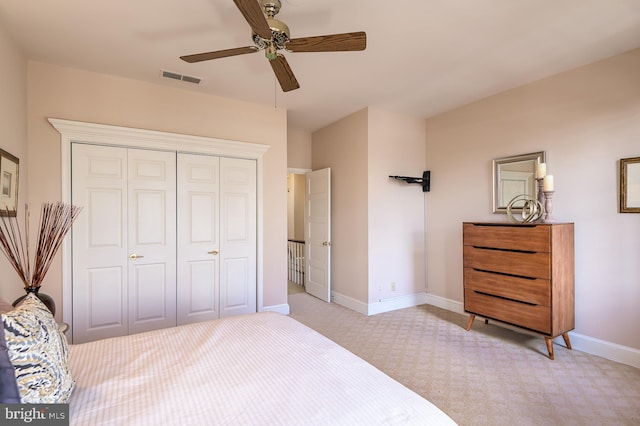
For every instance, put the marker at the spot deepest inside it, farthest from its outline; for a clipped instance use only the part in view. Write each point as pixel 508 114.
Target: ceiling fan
pixel 272 35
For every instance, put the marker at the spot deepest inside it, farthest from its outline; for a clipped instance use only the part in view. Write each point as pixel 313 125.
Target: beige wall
pixel 298 149
pixel 342 146
pixel 73 94
pixel 377 235
pixel 13 122
pixel 585 120
pixel 396 209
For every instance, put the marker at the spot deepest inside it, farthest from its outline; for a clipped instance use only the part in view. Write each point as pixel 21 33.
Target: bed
pixel 263 368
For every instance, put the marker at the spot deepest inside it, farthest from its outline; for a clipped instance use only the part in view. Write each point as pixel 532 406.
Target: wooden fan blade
pixel 329 43
pixel 199 57
pixel 284 74
pixel 252 12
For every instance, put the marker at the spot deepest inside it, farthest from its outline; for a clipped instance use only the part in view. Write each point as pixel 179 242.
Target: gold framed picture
pixel 630 185
pixel 9 165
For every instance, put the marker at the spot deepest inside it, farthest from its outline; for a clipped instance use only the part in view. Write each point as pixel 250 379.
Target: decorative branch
pixel 56 220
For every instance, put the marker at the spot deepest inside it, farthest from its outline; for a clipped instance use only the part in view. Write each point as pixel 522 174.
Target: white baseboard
pixel 448 304
pixel 604 349
pixel 580 342
pixel 385 305
pixel 281 309
pixel 349 302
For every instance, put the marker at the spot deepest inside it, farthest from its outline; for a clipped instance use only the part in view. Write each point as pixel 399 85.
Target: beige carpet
pixel 293 288
pixel 487 376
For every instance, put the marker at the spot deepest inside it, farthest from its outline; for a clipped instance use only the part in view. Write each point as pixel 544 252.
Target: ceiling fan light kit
pixel 272 35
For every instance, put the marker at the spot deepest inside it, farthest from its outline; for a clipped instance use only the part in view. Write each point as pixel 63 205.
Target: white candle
pixel 541 170
pixel 547 183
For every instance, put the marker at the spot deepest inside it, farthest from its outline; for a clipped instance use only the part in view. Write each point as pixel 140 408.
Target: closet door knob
pixel 213 252
pixel 134 256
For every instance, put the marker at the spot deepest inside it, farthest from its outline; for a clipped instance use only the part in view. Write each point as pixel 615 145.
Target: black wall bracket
pixel 425 180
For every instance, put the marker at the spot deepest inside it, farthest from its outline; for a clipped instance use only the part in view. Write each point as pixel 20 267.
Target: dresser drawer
pixel 522 264
pixel 534 238
pixel 533 317
pixel 534 291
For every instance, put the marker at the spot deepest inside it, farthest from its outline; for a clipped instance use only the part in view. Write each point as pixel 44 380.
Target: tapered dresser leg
pixel 470 322
pixel 549 342
pixel 567 342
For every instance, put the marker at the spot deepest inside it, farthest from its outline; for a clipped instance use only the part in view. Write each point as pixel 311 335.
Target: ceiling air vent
pixel 181 77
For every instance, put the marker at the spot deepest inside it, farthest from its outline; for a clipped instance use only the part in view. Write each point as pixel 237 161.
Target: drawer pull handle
pixel 505 298
pixel 507 225
pixel 503 249
pixel 504 274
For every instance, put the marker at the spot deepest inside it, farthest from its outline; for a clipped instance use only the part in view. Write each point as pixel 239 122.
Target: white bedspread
pixel 258 369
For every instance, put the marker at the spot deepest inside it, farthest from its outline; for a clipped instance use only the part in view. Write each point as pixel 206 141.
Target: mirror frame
pixel 629 189
pixel 498 163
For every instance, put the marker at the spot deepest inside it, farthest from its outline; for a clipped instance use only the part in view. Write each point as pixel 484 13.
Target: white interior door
pixel 99 235
pixel 152 239
pixel 124 242
pixel 198 238
pixel 317 225
pixel 238 227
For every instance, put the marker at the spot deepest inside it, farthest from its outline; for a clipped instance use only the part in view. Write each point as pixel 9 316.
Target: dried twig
pixel 55 221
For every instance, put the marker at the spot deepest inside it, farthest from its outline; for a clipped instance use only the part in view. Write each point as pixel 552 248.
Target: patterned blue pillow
pixel 39 353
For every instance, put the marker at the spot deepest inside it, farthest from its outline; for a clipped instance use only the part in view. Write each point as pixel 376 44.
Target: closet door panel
pixel 105 205
pixel 151 239
pixel 150 218
pixel 150 279
pixel 99 278
pixel 201 293
pixel 198 238
pixel 238 236
pixel 105 284
pixel 238 289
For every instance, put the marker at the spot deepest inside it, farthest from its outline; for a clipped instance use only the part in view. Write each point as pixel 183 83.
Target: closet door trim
pixel 102 134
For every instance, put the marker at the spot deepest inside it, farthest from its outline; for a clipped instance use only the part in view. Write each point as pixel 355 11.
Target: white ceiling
pixel 423 57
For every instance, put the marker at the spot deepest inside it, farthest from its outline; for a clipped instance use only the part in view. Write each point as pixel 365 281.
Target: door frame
pixel 102 134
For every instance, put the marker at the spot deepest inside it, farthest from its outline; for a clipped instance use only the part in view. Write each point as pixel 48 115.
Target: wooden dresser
pixel 521 274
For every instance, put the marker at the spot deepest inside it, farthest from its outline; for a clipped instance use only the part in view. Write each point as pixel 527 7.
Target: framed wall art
pixel 630 185
pixel 9 165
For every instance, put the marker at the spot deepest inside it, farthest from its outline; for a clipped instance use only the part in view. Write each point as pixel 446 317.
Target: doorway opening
pixel 295 231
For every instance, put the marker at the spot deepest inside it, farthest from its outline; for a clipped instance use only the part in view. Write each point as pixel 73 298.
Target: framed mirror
pixel 513 176
pixel 630 185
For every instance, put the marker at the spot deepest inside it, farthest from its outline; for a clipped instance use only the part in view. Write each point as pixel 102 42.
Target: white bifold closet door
pixel 216 237
pixel 164 238
pixel 124 241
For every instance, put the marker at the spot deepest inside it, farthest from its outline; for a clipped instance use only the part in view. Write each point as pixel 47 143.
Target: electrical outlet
pixel 393 286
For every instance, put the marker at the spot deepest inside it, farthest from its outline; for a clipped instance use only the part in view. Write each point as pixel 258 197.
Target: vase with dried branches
pixel 55 222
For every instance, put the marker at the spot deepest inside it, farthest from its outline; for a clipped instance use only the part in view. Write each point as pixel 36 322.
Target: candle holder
pixel 540 190
pixel 548 207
